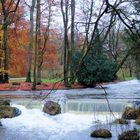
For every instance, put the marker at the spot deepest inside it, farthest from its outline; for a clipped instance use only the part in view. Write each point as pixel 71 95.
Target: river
pixel 72 124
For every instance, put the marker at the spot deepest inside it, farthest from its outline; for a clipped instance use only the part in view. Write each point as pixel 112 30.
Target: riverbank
pixel 43 86
pixel 19 84
pixel 118 90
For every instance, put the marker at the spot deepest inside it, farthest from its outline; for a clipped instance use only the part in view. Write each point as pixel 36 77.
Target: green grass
pixel 43 80
pixel 17 80
pixel 129 78
pixel 51 80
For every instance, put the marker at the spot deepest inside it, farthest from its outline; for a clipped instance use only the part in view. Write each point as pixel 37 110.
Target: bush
pixel 96 69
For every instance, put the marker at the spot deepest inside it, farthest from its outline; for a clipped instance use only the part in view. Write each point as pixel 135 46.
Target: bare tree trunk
pixel 36 47
pixel 72 40
pixel 66 41
pixel 28 76
pixel 6 53
pixel 46 36
pixel 39 50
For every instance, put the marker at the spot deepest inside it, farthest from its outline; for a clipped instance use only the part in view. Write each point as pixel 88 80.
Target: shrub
pixel 96 69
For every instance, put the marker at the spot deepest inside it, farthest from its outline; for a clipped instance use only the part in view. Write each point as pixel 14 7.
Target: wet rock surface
pixel 131 113
pixel 52 108
pixel 6 111
pixel 101 133
pixel 129 135
pixel 9 112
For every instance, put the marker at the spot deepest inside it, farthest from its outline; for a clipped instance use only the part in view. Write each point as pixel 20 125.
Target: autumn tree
pixel 8 10
pixel 18 45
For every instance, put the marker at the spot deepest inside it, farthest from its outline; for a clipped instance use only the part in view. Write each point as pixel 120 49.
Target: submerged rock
pixel 101 133
pixel 52 108
pixel 131 113
pixel 9 112
pixel 121 121
pixel 129 135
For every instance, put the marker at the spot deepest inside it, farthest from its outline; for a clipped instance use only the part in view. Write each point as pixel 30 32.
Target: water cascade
pixel 94 105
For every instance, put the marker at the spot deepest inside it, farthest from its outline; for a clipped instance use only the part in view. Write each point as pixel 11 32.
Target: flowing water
pixel 96 105
pixel 79 116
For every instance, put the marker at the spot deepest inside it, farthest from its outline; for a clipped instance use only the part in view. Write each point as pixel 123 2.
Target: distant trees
pixel 88 30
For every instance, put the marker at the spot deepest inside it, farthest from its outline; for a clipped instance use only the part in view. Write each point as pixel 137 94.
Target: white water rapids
pixel 33 124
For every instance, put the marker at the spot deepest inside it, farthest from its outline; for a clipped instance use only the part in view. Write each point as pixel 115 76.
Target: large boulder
pixel 7 111
pixel 129 135
pixel 101 133
pixel 52 108
pixel 131 113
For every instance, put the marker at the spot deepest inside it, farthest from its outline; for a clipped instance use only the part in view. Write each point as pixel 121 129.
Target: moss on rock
pixel 52 108
pixel 129 135
pixel 9 112
pixel 101 133
pixel 131 113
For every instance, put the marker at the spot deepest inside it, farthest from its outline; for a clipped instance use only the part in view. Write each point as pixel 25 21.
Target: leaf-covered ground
pixel 28 86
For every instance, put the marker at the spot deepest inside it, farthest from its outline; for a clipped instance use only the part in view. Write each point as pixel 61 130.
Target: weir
pixel 96 105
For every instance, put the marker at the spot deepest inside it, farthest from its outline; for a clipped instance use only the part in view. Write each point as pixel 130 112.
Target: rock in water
pixel 6 111
pixel 129 135
pixel 101 133
pixel 9 112
pixel 130 113
pixel 16 112
pixel 52 108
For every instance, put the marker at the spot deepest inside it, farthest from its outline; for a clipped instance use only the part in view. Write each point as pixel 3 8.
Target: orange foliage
pixel 50 56
pixel 17 38
pixel 18 43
